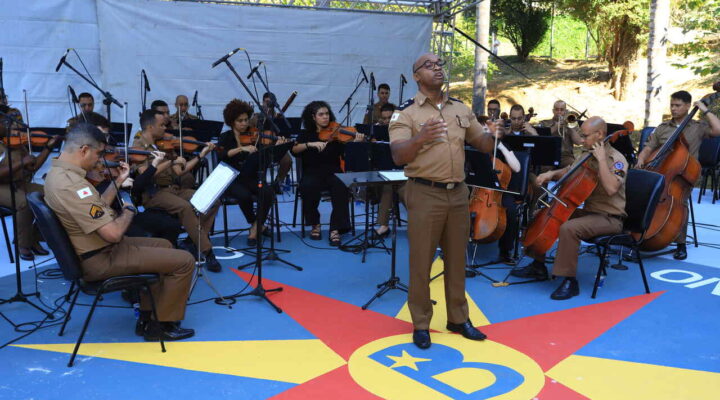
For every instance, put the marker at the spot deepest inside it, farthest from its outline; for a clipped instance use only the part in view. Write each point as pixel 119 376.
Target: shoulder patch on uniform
pixel 454 99
pixel 395 116
pixel 406 104
pixel 96 211
pixel 84 192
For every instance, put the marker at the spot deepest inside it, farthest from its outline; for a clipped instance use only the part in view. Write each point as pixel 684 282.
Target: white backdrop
pixel 316 52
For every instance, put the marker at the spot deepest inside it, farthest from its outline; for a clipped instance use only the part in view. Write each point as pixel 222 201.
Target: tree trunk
pixel 656 59
pixel 481 57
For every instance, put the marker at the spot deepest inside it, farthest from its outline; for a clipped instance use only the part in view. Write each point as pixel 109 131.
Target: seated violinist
pixel 166 194
pixel 24 166
pixel 602 214
pixel 147 223
pixel 320 153
pixel 386 112
pixel 235 146
pixel 182 104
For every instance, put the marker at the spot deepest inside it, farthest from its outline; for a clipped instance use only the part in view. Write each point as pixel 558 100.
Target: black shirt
pixel 327 161
pixel 226 143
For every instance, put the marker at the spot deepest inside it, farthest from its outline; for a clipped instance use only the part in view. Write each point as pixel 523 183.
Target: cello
pixel 487 214
pixel 573 189
pixel 681 170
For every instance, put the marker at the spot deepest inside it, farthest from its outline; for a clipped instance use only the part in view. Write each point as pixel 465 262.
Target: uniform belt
pixel 444 185
pixel 89 254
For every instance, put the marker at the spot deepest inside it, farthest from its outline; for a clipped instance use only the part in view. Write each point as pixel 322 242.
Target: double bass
pixel 573 189
pixel 487 214
pixel 681 170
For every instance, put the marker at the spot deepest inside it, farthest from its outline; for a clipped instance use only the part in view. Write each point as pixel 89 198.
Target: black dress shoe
pixel 211 263
pixel 27 256
pixel 506 259
pixel 567 289
pixel 467 330
pixel 168 331
pixel 533 270
pixel 39 250
pixel 680 252
pixel 421 338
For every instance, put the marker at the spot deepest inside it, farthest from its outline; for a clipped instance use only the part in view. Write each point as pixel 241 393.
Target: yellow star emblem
pixel 406 360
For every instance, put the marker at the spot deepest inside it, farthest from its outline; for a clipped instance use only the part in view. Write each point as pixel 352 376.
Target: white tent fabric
pixel 316 52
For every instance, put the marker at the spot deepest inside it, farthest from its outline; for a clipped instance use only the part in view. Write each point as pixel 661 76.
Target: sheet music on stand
pixel 393 176
pixel 213 187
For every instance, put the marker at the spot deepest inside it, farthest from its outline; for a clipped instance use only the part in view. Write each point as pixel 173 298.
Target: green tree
pixel 523 22
pixel 619 27
pixel 700 17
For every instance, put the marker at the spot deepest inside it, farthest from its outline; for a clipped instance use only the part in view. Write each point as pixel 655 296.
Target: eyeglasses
pixel 430 65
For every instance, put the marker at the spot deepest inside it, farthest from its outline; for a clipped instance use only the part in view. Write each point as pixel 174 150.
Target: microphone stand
pixel 198 107
pixel 19 295
pixel 403 82
pixel 274 105
pixel 259 290
pixel 109 99
pixel 145 87
pixel 348 101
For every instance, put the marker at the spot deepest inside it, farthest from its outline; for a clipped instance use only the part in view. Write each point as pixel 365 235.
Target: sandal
pixel 315 232
pixel 334 238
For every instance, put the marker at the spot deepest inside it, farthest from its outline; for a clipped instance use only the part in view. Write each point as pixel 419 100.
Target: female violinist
pixel 601 172
pixel 320 149
pixel 234 147
pixel 24 165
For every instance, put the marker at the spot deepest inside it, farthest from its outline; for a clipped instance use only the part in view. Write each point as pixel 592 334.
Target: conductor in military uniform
pixel 427 135
pixel 97 234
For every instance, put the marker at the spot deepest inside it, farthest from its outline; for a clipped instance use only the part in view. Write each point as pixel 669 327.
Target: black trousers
pixel 312 184
pixel 243 189
pixel 507 240
pixel 156 223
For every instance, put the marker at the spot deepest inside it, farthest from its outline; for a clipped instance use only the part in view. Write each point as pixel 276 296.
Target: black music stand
pixel 369 179
pixel 543 131
pixel 204 130
pixel 379 132
pixel 623 144
pixel 543 150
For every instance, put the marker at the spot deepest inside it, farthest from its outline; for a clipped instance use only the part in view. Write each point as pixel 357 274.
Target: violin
pixel 37 139
pixel 335 132
pixel 681 170
pixel 252 136
pixel 171 143
pixel 573 189
pixel 135 155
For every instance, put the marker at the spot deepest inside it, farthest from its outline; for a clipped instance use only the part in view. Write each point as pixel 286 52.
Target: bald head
pixel 181 103
pixel 421 60
pixel 596 124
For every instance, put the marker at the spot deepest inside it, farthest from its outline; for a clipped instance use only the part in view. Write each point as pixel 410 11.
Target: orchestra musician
pixel 97 235
pixel 269 103
pixel 24 166
pixel 166 193
pixel 386 112
pixel 570 133
pixel 383 93
pixel 182 104
pixel 86 102
pixel 602 214
pixel 234 146
pixel 519 124
pixel 427 135
pixel 694 133
pixel 320 159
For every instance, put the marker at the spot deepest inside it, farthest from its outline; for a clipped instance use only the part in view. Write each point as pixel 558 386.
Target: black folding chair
pixel 69 263
pixel 709 158
pixel 642 193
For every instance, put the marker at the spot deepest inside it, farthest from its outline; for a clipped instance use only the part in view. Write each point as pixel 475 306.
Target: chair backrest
pixel 519 180
pixel 709 153
pixel 644 134
pixel 642 193
pixel 55 236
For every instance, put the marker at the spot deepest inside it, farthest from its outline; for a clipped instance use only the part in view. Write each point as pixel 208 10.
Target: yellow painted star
pixel 406 360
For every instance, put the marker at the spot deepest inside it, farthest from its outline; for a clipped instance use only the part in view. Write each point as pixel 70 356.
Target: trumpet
pixel 572 121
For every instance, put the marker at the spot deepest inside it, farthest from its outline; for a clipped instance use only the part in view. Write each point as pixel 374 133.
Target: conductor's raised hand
pixel 433 130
